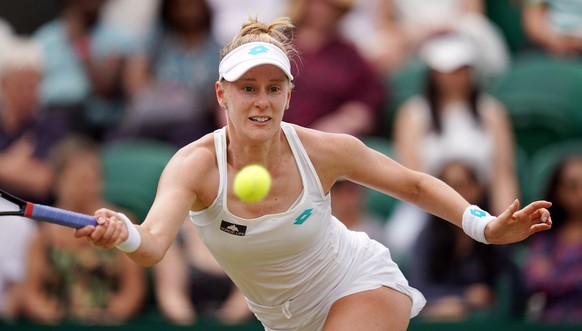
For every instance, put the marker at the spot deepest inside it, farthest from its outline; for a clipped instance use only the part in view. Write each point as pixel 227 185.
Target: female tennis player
pixel 298 266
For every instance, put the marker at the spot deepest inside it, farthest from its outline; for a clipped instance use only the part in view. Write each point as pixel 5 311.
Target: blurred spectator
pixel 553 266
pixel 349 206
pixel 6 34
pixel 456 119
pixel 134 17
pixel 453 119
pixel 337 90
pixel 84 65
pixel 25 135
pixel 68 279
pixel 16 234
pixel 171 83
pixel 190 284
pixel 391 31
pixel 456 274
pixel 230 15
pixel 554 25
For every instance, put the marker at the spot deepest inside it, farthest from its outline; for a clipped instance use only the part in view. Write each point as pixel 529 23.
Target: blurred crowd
pixel 426 79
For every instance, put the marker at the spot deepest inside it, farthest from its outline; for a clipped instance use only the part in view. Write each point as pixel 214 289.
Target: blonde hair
pixel 276 33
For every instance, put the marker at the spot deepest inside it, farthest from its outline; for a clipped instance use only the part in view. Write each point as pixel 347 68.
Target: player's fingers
pixel 545 216
pixel 508 213
pixel 534 206
pixel 103 214
pixel 540 216
pixel 84 231
pixel 112 227
pixel 96 235
pixel 540 227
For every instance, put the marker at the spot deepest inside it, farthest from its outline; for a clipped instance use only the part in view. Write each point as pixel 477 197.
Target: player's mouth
pixel 260 119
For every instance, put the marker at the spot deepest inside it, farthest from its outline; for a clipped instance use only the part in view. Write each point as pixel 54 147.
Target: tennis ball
pixel 252 183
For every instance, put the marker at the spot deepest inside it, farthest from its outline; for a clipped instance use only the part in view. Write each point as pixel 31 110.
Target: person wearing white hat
pixel 297 265
pixel 453 120
pixel 454 117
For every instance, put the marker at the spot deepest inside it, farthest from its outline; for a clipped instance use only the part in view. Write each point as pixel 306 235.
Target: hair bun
pixel 253 30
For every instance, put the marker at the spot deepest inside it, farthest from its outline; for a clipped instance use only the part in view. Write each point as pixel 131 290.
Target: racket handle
pixel 61 216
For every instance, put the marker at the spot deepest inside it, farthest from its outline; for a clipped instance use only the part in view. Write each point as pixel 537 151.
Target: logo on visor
pixel 258 50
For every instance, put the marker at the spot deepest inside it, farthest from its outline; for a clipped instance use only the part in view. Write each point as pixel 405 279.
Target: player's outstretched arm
pixel 514 224
pixel 148 242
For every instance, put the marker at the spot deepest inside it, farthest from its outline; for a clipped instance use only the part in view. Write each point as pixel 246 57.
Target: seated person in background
pixel 25 135
pixel 390 32
pixel 190 284
pixel 68 279
pixel 553 265
pixel 230 15
pixel 170 80
pixel 554 25
pixel 453 119
pixel 85 58
pixel 16 234
pixel 456 274
pixel 349 206
pixel 337 89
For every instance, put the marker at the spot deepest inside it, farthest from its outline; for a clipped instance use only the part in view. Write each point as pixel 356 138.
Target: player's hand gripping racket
pixel 46 213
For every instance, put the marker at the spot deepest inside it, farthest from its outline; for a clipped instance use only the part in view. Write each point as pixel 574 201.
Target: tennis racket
pixel 46 213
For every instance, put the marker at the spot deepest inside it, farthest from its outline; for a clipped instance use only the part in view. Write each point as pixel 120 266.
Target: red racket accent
pixel 28 209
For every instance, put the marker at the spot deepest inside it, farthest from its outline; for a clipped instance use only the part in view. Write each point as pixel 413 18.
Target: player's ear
pixel 288 100
pixel 219 87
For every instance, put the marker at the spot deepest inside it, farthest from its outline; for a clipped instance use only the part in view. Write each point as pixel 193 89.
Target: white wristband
pixel 474 222
pixel 131 244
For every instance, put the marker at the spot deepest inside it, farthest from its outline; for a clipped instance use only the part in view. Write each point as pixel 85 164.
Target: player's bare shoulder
pixel 327 144
pixel 332 154
pixel 193 163
pixel 200 151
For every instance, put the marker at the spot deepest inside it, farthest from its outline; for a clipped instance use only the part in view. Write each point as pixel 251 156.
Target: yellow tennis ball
pixel 252 183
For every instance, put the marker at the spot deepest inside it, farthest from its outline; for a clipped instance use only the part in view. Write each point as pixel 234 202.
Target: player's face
pixel 257 100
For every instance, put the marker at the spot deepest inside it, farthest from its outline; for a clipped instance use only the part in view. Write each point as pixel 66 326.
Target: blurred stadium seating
pixel 131 173
pixel 543 96
pixel 542 163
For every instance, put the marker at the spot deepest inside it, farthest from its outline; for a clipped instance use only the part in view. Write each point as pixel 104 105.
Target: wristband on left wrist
pixel 475 221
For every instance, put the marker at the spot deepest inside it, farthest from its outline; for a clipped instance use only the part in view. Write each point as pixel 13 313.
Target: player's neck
pixel 241 154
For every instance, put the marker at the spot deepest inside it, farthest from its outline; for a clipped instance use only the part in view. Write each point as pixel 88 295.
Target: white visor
pixel 250 55
pixel 448 53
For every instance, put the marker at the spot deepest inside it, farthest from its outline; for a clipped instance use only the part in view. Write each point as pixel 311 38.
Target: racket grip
pixel 61 216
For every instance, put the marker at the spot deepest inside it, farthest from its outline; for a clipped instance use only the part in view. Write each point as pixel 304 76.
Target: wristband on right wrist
pixel 474 222
pixel 131 244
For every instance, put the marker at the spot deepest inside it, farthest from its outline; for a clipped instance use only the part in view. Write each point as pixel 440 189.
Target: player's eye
pixel 274 89
pixel 248 89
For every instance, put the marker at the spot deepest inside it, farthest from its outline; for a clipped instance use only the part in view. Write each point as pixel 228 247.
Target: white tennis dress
pixel 294 265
